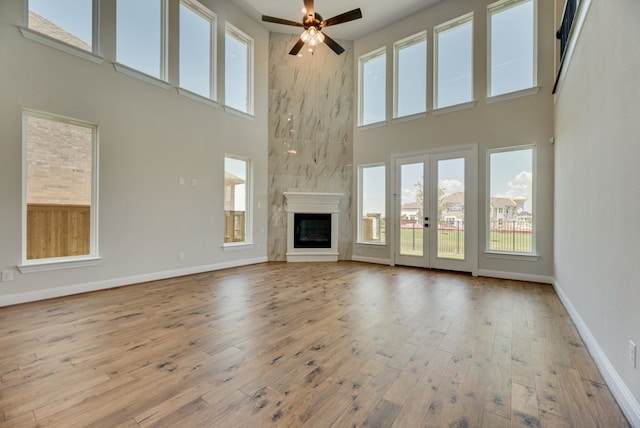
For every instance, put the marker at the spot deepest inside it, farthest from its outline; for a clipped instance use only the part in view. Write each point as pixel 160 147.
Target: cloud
pixel 451 186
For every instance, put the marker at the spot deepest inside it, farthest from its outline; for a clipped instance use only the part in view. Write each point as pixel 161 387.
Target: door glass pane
pixel 451 209
pixel 411 208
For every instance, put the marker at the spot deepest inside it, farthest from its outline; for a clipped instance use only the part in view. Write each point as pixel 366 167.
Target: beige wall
pixel 521 121
pixel 597 234
pixel 149 137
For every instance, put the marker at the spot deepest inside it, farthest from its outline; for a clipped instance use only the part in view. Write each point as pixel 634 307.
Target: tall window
pixel 454 62
pixel 373 80
pixel 197 41
pixel 410 78
pixel 237 197
pixel 141 36
pixel 372 224
pixel 70 21
pixel 511 203
pixel 512 48
pixel 238 70
pixel 60 198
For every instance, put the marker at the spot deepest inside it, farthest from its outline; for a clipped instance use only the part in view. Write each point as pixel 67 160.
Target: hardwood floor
pixel 329 344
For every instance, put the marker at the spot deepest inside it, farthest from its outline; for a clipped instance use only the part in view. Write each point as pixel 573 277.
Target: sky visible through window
pixel 373 89
pixel 236 73
pixel 74 16
pixel 455 65
pixel 511 175
pixel 139 35
pixel 512 49
pixel 195 52
pixel 412 79
pixel 373 190
pixel 238 168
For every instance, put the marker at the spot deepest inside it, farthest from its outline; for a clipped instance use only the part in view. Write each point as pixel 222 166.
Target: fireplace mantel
pixel 312 202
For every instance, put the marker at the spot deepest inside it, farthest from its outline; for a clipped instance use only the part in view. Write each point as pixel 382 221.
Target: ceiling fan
pixel 313 24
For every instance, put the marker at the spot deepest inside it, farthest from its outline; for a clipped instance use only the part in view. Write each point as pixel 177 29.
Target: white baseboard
pixel 371 260
pixel 619 389
pixel 515 276
pixel 50 293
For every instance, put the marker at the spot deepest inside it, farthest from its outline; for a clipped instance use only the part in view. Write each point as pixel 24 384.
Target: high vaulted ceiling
pixel 375 13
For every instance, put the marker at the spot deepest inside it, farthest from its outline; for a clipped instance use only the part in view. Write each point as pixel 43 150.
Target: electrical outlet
pixel 632 354
pixel 180 255
pixel 7 275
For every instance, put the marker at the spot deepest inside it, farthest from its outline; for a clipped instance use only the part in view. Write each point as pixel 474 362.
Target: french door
pixel 435 212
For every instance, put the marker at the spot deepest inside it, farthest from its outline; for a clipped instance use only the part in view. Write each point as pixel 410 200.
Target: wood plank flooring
pixel 302 345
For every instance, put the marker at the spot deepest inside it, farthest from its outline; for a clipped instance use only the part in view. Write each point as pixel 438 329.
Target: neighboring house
pixel 43 25
pixel 503 209
pixel 410 211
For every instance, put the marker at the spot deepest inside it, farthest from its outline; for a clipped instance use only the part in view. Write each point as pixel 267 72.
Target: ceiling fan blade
pixel 275 20
pixel 333 44
pixel 296 48
pixel 343 17
pixel 308 7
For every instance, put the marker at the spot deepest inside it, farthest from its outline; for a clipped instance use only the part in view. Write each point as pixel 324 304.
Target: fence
pixel 58 230
pixel 513 236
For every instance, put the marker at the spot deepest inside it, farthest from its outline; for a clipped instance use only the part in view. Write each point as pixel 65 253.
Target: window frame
pixel 360 212
pixel 163 76
pixel 236 33
pixel 497 7
pixel 362 60
pixel 397 47
pixel 445 26
pixel 54 263
pixel 204 12
pixel 248 220
pixel 512 254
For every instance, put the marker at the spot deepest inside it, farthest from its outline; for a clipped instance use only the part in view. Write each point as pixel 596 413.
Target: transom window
pixel 454 62
pixel 511 204
pixel 238 70
pixel 410 78
pixel 70 21
pixel 372 70
pixel 512 46
pixel 141 36
pixel 197 42
pixel 60 202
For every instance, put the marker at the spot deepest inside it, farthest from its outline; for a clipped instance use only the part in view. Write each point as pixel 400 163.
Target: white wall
pixel 597 185
pixel 520 121
pixel 149 137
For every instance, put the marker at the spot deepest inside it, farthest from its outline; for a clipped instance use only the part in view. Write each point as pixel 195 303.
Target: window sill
pixel 373 244
pixel 46 265
pixel 36 36
pixel 409 117
pixel 512 95
pixel 132 72
pixel 197 97
pixel 239 113
pixel 372 125
pixel 512 256
pixel 457 107
pixel 239 246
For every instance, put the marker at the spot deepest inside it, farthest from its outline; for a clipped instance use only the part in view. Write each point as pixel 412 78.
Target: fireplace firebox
pixel 312 230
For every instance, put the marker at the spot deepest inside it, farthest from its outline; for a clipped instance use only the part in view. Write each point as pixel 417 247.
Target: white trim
pixel 397 47
pixel 238 113
pixel 515 276
pixel 67 290
pixel 239 246
pixel 373 260
pixel 512 95
pixel 233 31
pixel 47 265
pixel 620 391
pixel 511 256
pixel 456 107
pixel 576 28
pixel 36 36
pixel 362 60
pixel 141 76
pixel 360 201
pixel 373 125
pixel 409 117
pixel 248 198
pixel 197 97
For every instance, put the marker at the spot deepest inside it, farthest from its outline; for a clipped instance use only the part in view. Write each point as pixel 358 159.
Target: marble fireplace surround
pixel 313 203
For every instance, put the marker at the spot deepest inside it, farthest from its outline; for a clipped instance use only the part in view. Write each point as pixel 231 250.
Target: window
pixel 511 203
pixel 69 21
pixel 372 224
pixel 197 41
pixel 238 70
pixel 59 188
pixel 410 78
pixel 237 200
pixel 141 36
pixel 512 48
pixel 454 62
pixel 372 75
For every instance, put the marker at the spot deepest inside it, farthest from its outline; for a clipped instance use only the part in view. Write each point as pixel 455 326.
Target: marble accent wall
pixel 310 133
